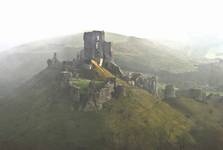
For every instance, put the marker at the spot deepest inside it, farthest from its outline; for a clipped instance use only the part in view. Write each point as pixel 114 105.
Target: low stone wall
pixel 113 68
pixel 150 84
pixel 75 93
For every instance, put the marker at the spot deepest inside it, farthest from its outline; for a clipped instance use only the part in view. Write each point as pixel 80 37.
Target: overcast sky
pixel 29 20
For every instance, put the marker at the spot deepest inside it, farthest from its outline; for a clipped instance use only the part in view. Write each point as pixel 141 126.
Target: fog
pixel 29 20
pixel 160 85
pixel 193 27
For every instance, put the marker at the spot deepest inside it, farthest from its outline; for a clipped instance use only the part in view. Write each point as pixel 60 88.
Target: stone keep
pixel 95 47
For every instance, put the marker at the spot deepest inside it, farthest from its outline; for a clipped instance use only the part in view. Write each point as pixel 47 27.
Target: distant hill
pixel 131 53
pixel 199 46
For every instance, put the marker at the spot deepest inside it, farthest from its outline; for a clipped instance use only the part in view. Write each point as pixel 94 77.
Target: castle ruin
pixel 194 93
pixel 138 79
pixel 82 69
pixel 95 47
pixel 169 92
pixel 86 78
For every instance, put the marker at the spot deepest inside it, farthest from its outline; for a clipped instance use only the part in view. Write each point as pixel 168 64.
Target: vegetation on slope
pixel 141 121
pixel 145 56
pixel 39 115
pixel 42 116
pixel 207 123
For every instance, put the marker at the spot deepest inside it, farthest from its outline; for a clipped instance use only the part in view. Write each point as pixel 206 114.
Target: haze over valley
pixel 111 75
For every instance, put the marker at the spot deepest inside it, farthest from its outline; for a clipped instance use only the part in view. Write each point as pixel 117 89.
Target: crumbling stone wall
pixel 65 77
pixel 54 63
pixel 98 96
pixel 113 68
pixel 152 85
pixel 68 65
pixel 197 94
pixel 139 80
pixel 75 93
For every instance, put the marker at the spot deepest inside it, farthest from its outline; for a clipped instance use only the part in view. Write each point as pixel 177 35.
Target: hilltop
pixel 88 102
pixel 40 115
pixel 131 53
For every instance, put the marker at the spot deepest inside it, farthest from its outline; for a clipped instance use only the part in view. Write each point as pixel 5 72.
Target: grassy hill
pixel 146 56
pixel 40 115
pixel 21 63
pixel 207 122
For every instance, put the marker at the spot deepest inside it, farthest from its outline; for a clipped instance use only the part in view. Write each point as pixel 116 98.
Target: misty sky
pixel 22 21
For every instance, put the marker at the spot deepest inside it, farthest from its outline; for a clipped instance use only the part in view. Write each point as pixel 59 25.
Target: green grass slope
pixel 40 115
pixel 207 121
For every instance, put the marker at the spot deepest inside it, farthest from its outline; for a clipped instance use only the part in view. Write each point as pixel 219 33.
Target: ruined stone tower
pixel 197 94
pixel 152 85
pixel 95 47
pixel 169 92
pixel 54 61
